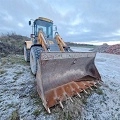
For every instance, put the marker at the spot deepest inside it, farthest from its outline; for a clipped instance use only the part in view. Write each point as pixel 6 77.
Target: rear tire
pixel 26 54
pixel 34 56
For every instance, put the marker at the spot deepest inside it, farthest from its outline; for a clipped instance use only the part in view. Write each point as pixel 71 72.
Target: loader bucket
pixel 63 75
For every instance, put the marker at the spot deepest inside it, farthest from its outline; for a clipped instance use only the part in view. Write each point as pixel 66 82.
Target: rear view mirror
pixel 55 28
pixel 29 22
pixel 32 35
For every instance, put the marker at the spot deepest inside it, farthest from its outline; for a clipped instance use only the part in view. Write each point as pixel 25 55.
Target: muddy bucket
pixel 63 75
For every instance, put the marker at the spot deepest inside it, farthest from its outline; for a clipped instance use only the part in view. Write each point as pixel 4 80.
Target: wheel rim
pixel 32 64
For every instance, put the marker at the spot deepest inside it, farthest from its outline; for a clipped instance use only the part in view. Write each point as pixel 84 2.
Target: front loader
pixel 60 72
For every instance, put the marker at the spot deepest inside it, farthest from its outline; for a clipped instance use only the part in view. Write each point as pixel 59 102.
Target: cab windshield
pixel 46 27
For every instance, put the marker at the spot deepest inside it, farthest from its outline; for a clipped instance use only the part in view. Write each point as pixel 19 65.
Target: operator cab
pixel 45 25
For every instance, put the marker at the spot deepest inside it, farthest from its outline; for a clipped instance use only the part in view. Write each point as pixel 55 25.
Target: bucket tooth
pixel 61 105
pixel 90 88
pixel 70 99
pixel 99 83
pixel 85 91
pixel 95 85
pixel 48 110
pixel 78 95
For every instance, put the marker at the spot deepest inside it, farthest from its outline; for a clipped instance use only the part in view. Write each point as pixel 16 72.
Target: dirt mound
pixel 101 48
pixel 114 49
pixel 12 44
pixel 105 48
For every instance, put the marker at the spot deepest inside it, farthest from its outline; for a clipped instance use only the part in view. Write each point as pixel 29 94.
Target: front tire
pixel 34 56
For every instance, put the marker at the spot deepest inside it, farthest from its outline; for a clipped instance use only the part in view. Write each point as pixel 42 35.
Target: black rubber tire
pixel 34 56
pixel 26 54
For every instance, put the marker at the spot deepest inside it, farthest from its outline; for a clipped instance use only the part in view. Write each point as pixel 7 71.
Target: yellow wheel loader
pixel 60 72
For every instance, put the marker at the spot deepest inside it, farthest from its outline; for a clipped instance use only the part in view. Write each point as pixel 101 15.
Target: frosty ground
pixel 18 96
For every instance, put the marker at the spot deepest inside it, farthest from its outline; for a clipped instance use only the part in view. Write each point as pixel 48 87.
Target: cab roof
pixel 44 19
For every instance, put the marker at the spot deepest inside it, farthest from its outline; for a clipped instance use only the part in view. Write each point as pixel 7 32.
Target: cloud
pixel 78 20
pixel 117 33
pixel 85 30
pixel 20 25
pixel 72 33
pixel 7 17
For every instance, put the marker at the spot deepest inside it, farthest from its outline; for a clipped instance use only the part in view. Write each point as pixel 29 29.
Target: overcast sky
pixel 76 20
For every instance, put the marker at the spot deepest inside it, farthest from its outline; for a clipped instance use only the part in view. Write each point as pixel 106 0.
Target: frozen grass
pixel 18 92
pixel 106 104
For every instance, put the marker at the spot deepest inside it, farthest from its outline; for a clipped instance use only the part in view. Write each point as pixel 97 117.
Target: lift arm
pixel 42 41
pixel 61 43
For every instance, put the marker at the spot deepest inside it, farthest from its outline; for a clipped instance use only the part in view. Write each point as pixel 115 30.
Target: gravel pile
pixel 114 49
pixel 101 49
pixel 105 48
